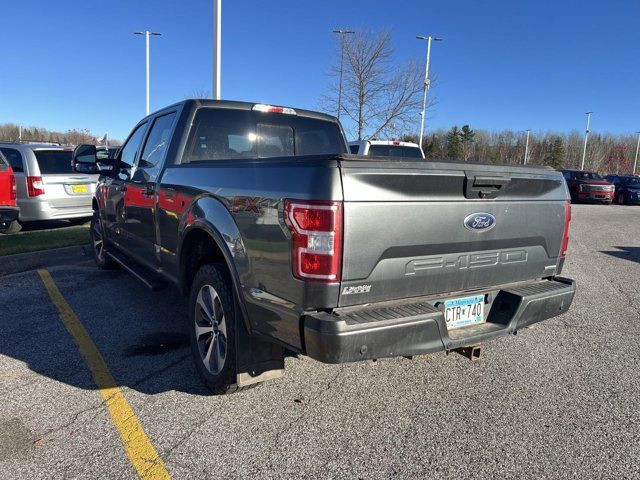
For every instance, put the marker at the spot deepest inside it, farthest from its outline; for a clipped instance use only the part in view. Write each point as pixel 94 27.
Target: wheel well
pixel 198 248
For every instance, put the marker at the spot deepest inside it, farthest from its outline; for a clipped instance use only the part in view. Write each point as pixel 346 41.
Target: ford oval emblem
pixel 480 222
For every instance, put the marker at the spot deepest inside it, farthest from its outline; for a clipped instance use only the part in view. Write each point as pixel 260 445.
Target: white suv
pixel 386 148
pixel 47 187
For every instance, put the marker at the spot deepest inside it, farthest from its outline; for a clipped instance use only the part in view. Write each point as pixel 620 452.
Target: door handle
pixel 148 190
pixel 121 188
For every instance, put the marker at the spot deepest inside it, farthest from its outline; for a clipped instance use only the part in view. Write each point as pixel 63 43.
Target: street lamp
pixel 635 162
pixel 342 33
pixel 427 82
pixel 147 33
pixel 586 137
pixel 526 147
pixel 217 45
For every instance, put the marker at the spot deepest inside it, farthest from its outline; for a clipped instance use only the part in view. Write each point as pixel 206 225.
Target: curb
pixel 21 262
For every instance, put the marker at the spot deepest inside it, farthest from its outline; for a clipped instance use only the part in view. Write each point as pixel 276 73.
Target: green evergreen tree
pixel 467 135
pixel 454 146
pixel 555 157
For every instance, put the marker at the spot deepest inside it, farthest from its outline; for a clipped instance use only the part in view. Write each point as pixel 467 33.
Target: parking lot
pixel 559 400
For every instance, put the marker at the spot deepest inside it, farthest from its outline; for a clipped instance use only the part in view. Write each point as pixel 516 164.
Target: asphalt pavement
pixel 559 400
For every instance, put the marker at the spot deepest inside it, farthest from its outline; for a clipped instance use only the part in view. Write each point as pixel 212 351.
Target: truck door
pixel 116 187
pixel 140 196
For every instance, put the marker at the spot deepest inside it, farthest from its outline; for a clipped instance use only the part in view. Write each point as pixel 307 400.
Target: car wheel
pixel 10 227
pixel 621 199
pixel 212 329
pixel 98 243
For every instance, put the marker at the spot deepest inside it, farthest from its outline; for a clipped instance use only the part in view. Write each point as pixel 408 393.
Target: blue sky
pixel 504 64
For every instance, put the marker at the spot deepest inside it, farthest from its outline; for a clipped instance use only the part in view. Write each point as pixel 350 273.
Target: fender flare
pixel 208 214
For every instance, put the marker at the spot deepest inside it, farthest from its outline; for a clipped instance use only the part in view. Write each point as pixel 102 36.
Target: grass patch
pixel 44 239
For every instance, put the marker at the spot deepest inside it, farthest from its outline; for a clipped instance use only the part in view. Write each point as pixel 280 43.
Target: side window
pixel 151 160
pixel 14 158
pixel 128 153
pixel 354 148
pixel 566 175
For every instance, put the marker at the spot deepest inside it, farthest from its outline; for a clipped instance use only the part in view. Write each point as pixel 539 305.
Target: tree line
pixel 10 132
pixel 606 153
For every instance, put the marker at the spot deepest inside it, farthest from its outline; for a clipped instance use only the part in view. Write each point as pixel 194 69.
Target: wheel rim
pixel 211 329
pixel 98 241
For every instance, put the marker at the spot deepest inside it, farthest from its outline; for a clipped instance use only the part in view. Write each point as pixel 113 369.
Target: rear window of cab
pixel 227 134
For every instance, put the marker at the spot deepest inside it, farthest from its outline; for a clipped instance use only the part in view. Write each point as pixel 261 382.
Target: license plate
pixel 77 189
pixel 462 312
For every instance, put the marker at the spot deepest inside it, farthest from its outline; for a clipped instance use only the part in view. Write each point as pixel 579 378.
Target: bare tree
pixel 379 97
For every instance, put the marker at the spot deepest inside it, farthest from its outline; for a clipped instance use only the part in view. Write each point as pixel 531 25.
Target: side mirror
pixel 85 160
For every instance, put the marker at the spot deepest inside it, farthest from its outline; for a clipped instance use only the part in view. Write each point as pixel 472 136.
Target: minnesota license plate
pixel 79 189
pixel 462 312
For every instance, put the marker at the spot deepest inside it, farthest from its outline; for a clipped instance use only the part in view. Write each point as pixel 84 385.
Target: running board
pixel 151 280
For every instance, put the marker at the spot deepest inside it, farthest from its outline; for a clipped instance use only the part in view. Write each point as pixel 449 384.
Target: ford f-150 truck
pixel 284 242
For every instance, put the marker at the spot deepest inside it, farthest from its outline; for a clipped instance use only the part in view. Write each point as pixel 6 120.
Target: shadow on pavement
pixel 52 224
pixel 140 334
pixel 626 253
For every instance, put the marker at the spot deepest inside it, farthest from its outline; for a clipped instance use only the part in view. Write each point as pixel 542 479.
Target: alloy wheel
pixel 211 329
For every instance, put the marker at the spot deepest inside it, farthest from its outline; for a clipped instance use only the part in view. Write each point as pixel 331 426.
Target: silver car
pixel 47 187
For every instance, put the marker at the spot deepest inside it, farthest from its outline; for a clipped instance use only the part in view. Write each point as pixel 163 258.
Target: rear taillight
pixel 565 233
pixel 316 229
pixel 13 193
pixel 35 186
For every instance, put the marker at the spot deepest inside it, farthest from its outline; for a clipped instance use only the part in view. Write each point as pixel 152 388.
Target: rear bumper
pixel 36 209
pixel 417 327
pixel 8 214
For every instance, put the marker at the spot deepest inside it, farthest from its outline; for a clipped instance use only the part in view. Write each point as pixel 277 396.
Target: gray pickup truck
pixel 284 242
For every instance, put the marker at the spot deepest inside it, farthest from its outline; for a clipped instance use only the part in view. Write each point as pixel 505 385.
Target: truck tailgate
pixel 405 233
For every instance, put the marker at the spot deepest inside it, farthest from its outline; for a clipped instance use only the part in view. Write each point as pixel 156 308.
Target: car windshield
pixel 587 176
pixel 54 161
pixel 635 181
pixel 394 151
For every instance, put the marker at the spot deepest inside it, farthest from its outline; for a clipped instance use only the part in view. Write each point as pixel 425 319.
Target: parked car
pixel 386 148
pixel 8 194
pixel 48 189
pixel 282 240
pixel 627 188
pixel 588 186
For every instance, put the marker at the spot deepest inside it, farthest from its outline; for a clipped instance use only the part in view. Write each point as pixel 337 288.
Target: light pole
pixel 586 137
pixel 635 162
pixel 146 34
pixel 342 33
pixel 526 147
pixel 217 45
pixel 427 81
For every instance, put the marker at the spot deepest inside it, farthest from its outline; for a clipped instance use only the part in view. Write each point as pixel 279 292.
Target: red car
pixel 587 186
pixel 8 195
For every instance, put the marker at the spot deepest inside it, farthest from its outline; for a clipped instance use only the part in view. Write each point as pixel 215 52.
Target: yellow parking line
pixel 141 453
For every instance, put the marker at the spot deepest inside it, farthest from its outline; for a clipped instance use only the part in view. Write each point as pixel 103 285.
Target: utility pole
pixel 342 33
pixel 427 81
pixel 586 137
pixel 635 162
pixel 217 47
pixel 526 147
pixel 146 34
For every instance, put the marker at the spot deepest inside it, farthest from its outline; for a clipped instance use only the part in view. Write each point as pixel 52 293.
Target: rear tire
pixel 98 243
pixel 212 329
pixel 10 227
